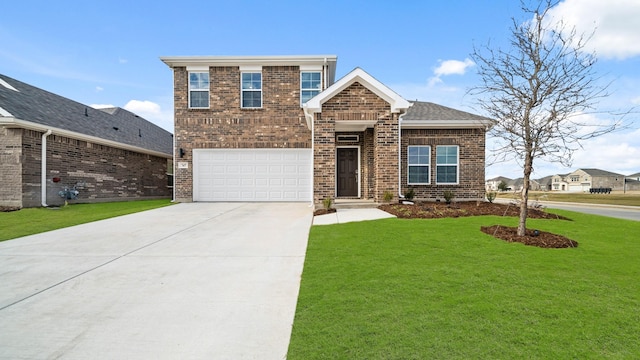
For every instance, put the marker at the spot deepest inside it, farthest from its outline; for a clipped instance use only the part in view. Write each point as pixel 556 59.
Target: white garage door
pixel 252 175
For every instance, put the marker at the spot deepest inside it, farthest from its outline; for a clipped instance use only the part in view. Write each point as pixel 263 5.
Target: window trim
pixel 428 165
pixel 457 165
pixel 207 90
pixel 319 90
pixel 242 89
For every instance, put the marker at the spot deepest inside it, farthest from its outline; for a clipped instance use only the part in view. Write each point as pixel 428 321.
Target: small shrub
pixel 388 196
pixel 448 196
pixel 491 196
pixel 409 194
pixel 327 202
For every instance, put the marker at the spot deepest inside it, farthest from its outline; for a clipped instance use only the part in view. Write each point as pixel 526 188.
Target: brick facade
pixel 378 146
pixel 10 167
pixel 100 173
pixel 354 109
pixel 471 144
pixel 280 123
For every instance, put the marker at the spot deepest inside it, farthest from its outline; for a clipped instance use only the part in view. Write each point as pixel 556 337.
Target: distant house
pixel 559 182
pixel 582 180
pixel 635 176
pixel 545 183
pixel 494 183
pixel 518 184
pixel 49 143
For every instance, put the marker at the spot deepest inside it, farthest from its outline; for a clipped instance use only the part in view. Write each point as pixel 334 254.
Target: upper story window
pixel 251 94
pixel 447 164
pixel 310 85
pixel 199 90
pixel 575 178
pixel 419 164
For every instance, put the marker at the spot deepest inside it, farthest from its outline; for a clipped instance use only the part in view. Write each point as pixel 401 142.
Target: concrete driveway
pixel 188 281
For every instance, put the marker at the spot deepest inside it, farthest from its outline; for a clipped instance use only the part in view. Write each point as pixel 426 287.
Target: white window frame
pixel 319 89
pixel 242 90
pixel 428 165
pixel 457 165
pixel 207 90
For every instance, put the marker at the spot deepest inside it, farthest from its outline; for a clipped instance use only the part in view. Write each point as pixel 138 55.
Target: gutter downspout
pixel 43 177
pixel 400 195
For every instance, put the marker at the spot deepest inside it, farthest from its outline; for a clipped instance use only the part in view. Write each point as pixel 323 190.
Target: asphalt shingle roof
pixel 421 110
pixel 598 172
pixel 39 106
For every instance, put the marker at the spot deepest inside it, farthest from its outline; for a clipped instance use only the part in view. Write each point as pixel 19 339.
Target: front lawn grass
pixel 442 289
pixel 36 220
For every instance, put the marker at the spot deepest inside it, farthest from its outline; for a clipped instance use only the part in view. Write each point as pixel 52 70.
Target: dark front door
pixel 347 172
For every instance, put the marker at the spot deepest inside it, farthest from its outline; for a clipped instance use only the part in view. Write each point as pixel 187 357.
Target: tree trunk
pixel 524 200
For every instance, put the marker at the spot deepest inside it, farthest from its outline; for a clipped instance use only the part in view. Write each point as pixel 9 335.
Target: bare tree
pixel 537 91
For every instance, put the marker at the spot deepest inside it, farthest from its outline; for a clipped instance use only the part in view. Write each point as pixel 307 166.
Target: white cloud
pixel 636 100
pixel 453 67
pixel 122 61
pixel 615 21
pixel 99 88
pixel 449 67
pixel 152 112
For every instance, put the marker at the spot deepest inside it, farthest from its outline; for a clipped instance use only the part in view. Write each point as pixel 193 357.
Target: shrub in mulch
pixel 532 237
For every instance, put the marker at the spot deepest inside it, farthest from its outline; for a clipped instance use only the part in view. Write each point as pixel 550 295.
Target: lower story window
pixel 419 158
pixel 447 164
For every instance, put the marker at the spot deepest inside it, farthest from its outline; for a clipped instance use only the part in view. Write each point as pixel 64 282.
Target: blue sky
pixel 107 53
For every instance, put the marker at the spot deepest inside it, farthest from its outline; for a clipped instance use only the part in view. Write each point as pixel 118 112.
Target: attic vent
pixel 348 138
pixel 7 85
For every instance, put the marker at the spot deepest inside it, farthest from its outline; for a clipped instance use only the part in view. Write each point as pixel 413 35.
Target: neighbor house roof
pixel 500 178
pixel 423 114
pixel 598 172
pixel 634 175
pixel 26 106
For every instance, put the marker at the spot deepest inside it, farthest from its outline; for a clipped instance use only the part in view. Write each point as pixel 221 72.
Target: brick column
pixel 324 161
pixel 386 156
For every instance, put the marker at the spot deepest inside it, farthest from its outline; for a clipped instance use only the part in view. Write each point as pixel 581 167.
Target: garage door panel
pixel 252 175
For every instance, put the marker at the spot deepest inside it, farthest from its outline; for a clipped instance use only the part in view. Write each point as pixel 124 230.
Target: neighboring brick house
pixel 279 128
pixel 108 155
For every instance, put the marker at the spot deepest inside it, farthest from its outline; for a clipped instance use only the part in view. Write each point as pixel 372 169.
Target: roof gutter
pixel 12 122
pixel 43 172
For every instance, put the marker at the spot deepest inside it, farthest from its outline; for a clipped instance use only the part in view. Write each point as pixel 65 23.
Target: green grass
pixel 36 220
pixel 441 289
pixel 615 198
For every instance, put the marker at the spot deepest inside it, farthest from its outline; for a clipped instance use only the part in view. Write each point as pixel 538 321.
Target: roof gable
pixel 27 106
pixel 396 102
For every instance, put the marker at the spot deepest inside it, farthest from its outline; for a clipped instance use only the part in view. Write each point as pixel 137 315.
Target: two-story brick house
pixel 280 128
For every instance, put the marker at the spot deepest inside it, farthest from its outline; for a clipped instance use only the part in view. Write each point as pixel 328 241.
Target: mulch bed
pixel 323 211
pixel 435 210
pixel 532 237
pixel 9 208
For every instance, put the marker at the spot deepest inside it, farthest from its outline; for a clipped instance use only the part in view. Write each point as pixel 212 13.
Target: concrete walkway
pixel 351 215
pixel 189 281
